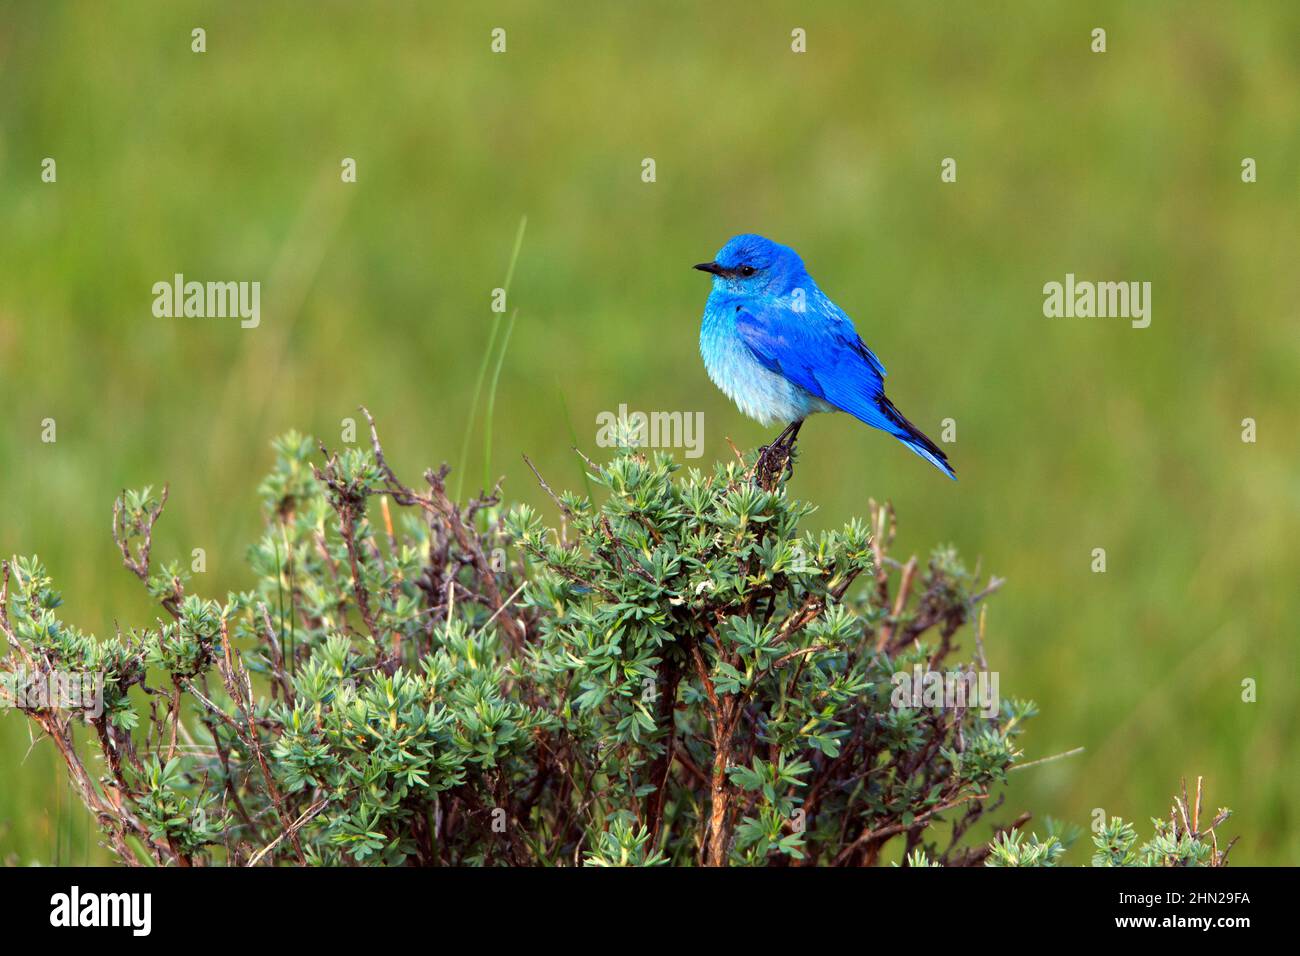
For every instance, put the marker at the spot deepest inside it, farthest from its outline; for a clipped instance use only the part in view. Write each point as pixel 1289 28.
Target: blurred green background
pixel 1072 434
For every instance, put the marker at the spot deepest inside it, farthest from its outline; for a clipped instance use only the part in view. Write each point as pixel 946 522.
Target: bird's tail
pixel 913 437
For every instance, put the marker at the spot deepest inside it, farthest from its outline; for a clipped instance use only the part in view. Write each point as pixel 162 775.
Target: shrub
pixel 674 675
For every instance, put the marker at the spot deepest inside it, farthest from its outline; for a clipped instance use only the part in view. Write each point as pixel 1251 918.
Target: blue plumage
pixel 782 350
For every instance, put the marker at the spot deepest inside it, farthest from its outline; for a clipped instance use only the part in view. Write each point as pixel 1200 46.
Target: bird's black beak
pixel 713 267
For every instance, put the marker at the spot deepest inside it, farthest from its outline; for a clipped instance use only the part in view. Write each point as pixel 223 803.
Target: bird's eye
pixel 747 271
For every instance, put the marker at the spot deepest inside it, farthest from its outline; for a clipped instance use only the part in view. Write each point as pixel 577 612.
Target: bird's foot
pixel 776 460
pixel 773 463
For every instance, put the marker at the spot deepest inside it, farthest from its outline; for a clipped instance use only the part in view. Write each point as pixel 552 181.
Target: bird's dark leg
pixel 775 458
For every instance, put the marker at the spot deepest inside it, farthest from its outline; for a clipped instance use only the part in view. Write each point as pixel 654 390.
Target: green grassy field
pixel 1072 434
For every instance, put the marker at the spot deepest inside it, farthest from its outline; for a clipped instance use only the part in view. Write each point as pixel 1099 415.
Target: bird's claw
pixel 774 461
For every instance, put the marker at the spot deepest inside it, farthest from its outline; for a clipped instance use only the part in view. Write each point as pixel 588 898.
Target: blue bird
pixel 781 350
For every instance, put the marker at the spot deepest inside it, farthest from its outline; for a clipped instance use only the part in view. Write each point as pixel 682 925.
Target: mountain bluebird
pixel 782 350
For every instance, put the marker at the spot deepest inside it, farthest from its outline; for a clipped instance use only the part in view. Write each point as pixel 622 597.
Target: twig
pixel 1061 756
pixel 564 509
pixel 291 831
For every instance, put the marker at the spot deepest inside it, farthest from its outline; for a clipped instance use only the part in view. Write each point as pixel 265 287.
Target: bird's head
pixel 752 265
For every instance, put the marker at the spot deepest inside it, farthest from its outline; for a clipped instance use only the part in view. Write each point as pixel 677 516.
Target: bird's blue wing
pixel 833 312
pixel 818 350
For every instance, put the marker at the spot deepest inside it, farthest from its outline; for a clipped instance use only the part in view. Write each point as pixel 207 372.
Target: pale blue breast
pixel 762 395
